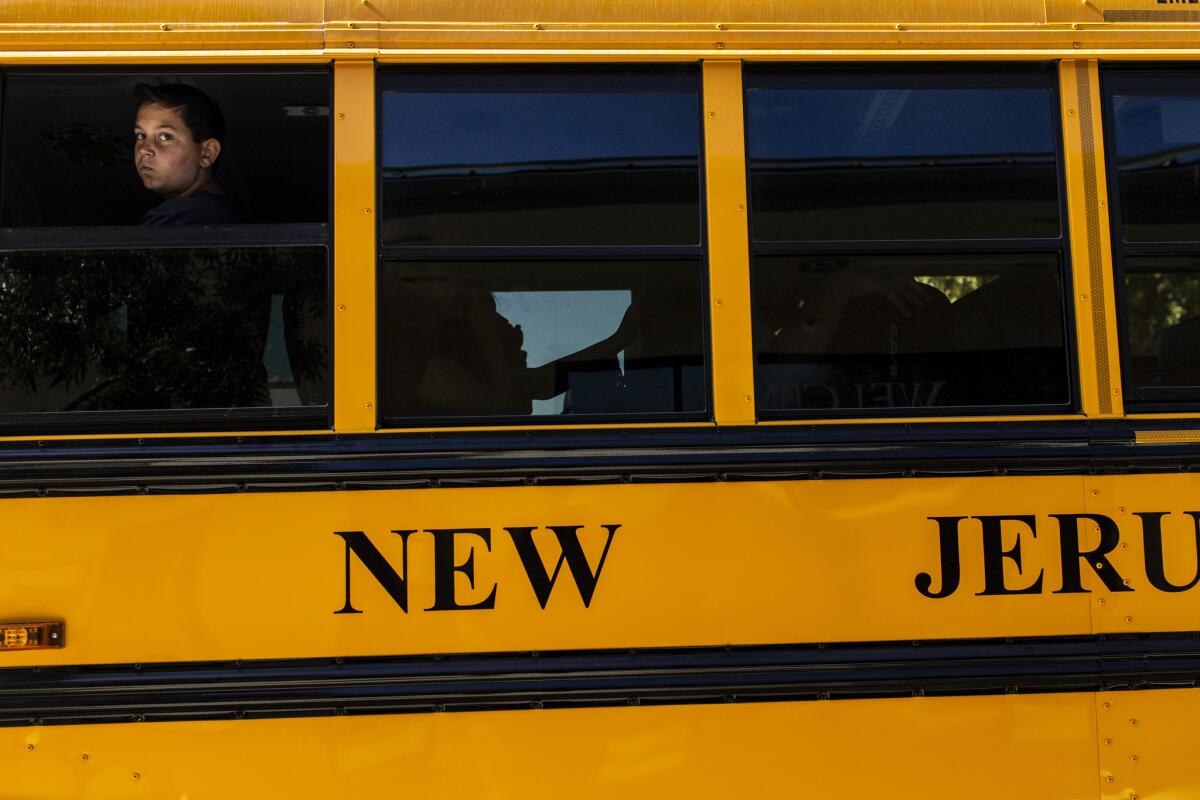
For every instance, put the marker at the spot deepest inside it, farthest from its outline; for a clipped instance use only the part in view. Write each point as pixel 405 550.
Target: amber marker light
pixel 30 635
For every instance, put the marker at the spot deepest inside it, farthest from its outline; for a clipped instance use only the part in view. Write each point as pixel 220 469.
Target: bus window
pixel 542 244
pixel 1154 170
pixel 907 241
pixel 68 146
pixel 139 278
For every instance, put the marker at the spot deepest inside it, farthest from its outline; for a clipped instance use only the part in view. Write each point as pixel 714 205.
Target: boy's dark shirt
pixel 212 330
pixel 200 208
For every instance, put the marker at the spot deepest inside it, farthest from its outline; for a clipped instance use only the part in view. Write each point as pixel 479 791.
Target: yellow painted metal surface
pixel 728 244
pixel 1091 249
pixel 170 578
pixel 354 246
pixel 1126 499
pixel 100 29
pixel 1146 745
pixel 994 747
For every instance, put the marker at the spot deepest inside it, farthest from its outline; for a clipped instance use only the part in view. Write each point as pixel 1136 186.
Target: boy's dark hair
pixel 197 110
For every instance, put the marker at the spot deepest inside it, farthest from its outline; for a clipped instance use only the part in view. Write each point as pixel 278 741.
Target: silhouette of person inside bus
pixel 451 353
pixel 178 136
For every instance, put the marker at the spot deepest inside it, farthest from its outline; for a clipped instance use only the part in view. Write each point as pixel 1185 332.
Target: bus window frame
pixel 50 239
pixel 1149 77
pixel 925 75
pixel 549 253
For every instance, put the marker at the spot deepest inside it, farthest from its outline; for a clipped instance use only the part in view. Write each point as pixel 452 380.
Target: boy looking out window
pixel 177 145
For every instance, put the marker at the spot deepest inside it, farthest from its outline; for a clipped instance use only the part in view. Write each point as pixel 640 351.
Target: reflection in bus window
pixel 863 155
pixel 1154 145
pixel 470 340
pixel 909 332
pixel 155 329
pixel 907 245
pixel 542 247
pixel 1158 165
pixel 539 158
pixel 1162 299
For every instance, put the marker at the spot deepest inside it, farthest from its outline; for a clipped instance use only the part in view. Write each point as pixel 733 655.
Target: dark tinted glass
pixel 536 158
pixel 1162 322
pixel 68 147
pixel 521 338
pixel 928 331
pixel 146 329
pixel 910 156
pixel 1157 138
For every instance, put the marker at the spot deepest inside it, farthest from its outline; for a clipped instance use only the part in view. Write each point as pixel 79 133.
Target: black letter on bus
pixel 1068 538
pixel 380 569
pixel 572 553
pixel 444 569
pixel 994 555
pixel 948 543
pixel 1153 544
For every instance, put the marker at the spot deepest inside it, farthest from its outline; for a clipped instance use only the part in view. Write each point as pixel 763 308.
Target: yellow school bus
pixel 554 399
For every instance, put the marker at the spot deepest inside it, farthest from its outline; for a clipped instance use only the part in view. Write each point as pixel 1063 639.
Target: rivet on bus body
pixel 349 44
pixel 720 45
pixel 1133 758
pixel 1108 778
pixel 166 27
pixel 1074 44
pixel 137 775
pixel 1107 706
pixel 720 26
pixel 748 398
pixel 1124 545
pixel 1095 492
pixel 718 301
pixel 341 115
pixel 712 114
pixel 1099 565
pixel 1100 601
pixel 1108 742
pixel 1133 722
pixel 341 306
pixel 366 211
pixel 1130 619
pixel 368 405
pixel 899 27
pixel 351 25
pixel 537 26
pixel 741 206
pixel 1121 509
pixel 1125 581
pixel 84 756
pixel 30 746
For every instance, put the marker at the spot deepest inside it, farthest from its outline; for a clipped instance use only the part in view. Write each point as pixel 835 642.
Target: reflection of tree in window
pixel 137 329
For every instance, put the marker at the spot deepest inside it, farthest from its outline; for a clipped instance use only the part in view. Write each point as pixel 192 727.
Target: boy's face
pixel 168 159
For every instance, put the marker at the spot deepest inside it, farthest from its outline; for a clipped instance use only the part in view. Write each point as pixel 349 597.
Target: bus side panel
pixel 1147 743
pixel 252 576
pixel 987 747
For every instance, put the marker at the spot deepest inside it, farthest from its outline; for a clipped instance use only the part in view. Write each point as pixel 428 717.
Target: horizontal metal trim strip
pixel 400 252
pixel 573 679
pixel 175 237
pixel 578 457
pixel 907 246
